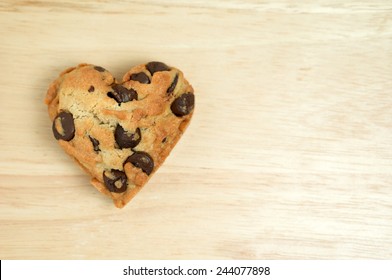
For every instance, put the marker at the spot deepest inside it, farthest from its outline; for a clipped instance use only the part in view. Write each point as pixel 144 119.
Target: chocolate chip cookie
pixel 120 132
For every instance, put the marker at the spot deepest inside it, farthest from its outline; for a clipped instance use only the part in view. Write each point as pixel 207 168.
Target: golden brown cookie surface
pixel 120 133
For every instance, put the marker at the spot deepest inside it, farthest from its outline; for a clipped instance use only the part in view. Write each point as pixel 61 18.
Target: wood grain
pixel 288 156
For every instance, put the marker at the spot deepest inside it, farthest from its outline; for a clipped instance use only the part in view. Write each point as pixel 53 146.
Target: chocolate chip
pixel 141 78
pixel 125 139
pixel 141 160
pixel 183 105
pixel 122 94
pixel 115 180
pixel 164 140
pixel 173 85
pixel 65 123
pixel 99 68
pixel 156 66
pixel 91 89
pixel 95 143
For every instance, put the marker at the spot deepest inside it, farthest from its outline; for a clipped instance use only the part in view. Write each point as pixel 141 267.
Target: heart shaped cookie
pixel 120 133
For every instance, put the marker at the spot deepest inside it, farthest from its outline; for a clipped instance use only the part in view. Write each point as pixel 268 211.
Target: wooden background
pixel 288 156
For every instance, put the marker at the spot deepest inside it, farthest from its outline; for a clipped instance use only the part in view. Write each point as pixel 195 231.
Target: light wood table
pixel 288 156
